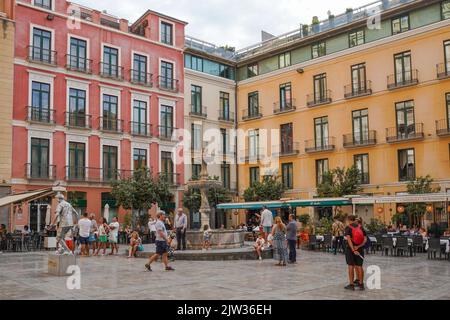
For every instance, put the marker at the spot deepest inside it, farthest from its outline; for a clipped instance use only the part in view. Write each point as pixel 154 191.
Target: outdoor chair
pixel 434 246
pixel 27 243
pixel 417 244
pixel 327 244
pixel 312 242
pixel 402 246
pixel 378 246
pixel 387 245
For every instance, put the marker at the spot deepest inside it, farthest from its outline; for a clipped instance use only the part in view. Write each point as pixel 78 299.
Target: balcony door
pixel 253 104
pixel 42 45
pixel 320 87
pixel 403 68
pixel 225 105
pixel 166 75
pixel 253 143
pixel 77 164
pixel 196 99
pixel 139 68
pixel 359 78
pixel 110 115
pixel 78 54
pixel 40 102
pixel 321 132
pixel 447 56
pixel 77 108
pixel 111 61
pixel 360 126
pixel 110 163
pixel 139 159
pixel 40 158
pixel 167 167
pixel 286 136
pixel 405 119
pixel 285 96
pixel 166 121
pixel 140 117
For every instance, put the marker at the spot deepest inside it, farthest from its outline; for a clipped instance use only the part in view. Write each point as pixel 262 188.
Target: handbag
pixel 140 247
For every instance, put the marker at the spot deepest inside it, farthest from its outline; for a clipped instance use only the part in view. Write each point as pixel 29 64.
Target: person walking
pixel 161 243
pixel 279 242
pixel 354 254
pixel 266 221
pixel 337 230
pixel 292 238
pixel 84 225
pixel 181 227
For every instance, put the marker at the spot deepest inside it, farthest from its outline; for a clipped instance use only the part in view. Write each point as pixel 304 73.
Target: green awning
pixel 252 205
pixel 286 204
pixel 320 202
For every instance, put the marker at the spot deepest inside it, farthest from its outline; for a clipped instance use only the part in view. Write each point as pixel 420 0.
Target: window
pixel 42 46
pixel 254 176
pixel 225 141
pixel 167 167
pixel 77 156
pixel 226 175
pixel 360 126
pixel 78 55
pixel 196 170
pixel 448 109
pixel 447 56
pixel 321 169
pixel 252 70
pixel 224 106
pixel 446 9
pixel 166 118
pixel 40 158
pixel 318 50
pixel 362 164
pixel 167 33
pixel 77 108
pixel 286 136
pixel 110 163
pixel 400 24
pixel 288 175
pixel 166 76
pixel 253 104
pixel 406 165
pixel 359 78
pixel 356 38
pixel 285 96
pixel 196 99
pixel 139 124
pixel 110 115
pixel 46 4
pixel 253 143
pixel 40 102
pixel 208 66
pixel 193 62
pixel 111 62
pixel 403 67
pixel 284 60
pixel 139 159
pixel 196 131
pixel 405 119
pixel 139 72
pixel 320 87
pixel 321 132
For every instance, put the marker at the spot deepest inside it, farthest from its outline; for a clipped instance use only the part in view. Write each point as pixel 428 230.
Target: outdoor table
pixel 444 242
pixel 320 238
pixel 373 239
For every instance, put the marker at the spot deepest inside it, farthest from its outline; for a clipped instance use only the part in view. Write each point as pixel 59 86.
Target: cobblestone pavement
pixel 317 275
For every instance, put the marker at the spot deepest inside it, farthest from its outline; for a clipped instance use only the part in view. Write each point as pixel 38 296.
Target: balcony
pixel 286 106
pixel 141 129
pixel 253 155
pixel 38 171
pixel 111 125
pixel 323 145
pixel 166 132
pixel 364 178
pixel 226 116
pixel 443 70
pixel 78 64
pixel 41 55
pixel 407 174
pixel 95 175
pixel 78 120
pixel 41 115
pixel 405 133
pixel 141 78
pixel 168 84
pixel 315 101
pixel 403 79
pixel 173 179
pixel 251 114
pixel 286 149
pixel 364 139
pixel 111 71
pixel 443 128
pixel 358 90
pixel 198 111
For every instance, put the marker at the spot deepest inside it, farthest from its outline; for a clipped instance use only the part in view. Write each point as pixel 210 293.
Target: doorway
pixel 38 211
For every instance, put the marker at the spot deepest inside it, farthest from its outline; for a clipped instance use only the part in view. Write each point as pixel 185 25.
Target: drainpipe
pixel 235 128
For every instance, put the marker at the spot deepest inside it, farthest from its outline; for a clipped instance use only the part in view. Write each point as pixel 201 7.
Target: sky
pixel 237 23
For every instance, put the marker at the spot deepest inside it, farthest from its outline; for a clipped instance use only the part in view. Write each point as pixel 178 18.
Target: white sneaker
pixel 260 258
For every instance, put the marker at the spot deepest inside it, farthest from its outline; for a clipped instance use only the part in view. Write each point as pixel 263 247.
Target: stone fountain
pixel 221 239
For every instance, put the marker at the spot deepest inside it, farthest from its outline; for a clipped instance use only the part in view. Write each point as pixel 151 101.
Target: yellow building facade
pixel 380 101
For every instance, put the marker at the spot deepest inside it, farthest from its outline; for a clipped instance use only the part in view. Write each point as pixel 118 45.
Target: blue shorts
pixel 161 247
pixel 83 240
pixel 267 229
pixel 92 238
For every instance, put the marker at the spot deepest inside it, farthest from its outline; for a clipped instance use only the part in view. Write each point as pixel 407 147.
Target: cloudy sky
pixel 233 22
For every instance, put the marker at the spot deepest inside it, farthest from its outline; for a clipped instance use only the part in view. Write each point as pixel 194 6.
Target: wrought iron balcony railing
pixel 284 106
pixel 41 55
pixel 198 111
pixel 166 132
pixel 95 175
pixel 111 71
pixel 38 171
pixel 78 120
pixel 172 179
pixel 41 115
pixel 320 145
pixel 226 116
pixel 251 114
pixel 286 149
pixel 443 70
pixel 403 79
pixel 362 139
pixel 168 84
pixel 111 125
pixel 141 78
pixel 314 100
pixel 443 127
pixel 355 90
pixel 405 132
pixel 141 129
pixel 75 63
pixel 253 154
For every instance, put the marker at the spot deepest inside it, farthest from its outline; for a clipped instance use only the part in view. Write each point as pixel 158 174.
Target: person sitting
pixel 206 238
pixel 259 245
pixel 26 231
pixel 423 232
pixel 269 241
pixel 447 233
pixel 135 242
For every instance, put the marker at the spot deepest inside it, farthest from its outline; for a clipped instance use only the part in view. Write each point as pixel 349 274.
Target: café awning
pixel 252 205
pixel 408 198
pixel 24 197
pixel 326 202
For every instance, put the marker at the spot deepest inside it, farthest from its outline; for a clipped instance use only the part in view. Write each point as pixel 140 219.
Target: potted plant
pixel 305 30
pixel 315 24
pixel 331 20
pixel 349 13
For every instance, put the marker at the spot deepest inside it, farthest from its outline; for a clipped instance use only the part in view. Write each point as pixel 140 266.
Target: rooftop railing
pixel 209 48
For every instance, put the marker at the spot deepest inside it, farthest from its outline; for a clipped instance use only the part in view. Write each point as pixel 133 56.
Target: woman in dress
pixel 280 252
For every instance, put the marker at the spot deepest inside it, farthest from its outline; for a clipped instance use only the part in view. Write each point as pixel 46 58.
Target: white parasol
pixel 106 212
pixel 47 215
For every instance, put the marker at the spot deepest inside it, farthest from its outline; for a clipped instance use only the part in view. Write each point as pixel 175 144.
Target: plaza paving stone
pixel 317 275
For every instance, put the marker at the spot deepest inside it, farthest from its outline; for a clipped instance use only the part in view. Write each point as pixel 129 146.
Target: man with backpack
pixel 356 238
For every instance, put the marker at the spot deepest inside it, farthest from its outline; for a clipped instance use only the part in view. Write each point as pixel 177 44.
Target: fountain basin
pixel 220 239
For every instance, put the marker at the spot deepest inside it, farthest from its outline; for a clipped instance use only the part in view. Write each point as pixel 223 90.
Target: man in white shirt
pixel 266 221
pixel 114 235
pixel 152 228
pixel 84 226
pixel 181 226
pixel 162 246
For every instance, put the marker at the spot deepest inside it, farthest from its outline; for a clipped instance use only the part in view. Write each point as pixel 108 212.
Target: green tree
pixel 340 182
pixel 421 185
pixel 269 189
pixel 140 192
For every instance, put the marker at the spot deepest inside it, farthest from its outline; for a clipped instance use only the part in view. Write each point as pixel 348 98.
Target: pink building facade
pixel 94 99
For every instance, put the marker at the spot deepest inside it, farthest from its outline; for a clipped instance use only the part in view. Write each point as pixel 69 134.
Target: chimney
pixel 124 25
pixel 96 16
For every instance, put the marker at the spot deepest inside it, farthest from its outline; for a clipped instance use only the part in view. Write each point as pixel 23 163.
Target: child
pixel 135 242
pixel 171 251
pixel 206 237
pixel 103 230
pixel 259 245
pixel 269 240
